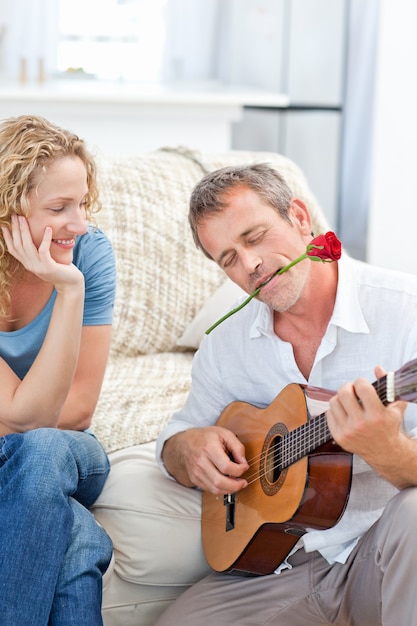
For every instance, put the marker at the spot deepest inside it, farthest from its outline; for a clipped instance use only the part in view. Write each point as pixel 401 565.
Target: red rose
pixel 326 247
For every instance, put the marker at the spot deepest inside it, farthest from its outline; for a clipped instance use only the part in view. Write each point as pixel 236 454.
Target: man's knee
pixel 404 505
pixel 399 519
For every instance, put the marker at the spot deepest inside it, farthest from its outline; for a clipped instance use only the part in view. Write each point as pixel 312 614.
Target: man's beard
pixel 283 299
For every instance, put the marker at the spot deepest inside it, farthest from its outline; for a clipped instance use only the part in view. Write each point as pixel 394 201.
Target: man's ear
pixel 300 214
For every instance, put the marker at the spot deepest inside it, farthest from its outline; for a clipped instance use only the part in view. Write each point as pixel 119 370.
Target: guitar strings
pixel 285 460
pixel 294 452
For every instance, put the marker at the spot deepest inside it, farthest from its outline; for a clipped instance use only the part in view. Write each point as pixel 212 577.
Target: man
pixel 324 324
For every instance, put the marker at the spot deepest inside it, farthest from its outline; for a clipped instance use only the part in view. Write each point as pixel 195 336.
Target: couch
pixel 168 293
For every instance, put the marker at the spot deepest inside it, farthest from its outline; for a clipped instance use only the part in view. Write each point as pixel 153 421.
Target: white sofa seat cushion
pixel 155 523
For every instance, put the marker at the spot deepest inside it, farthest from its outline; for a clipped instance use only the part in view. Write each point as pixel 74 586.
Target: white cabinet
pixel 129 118
pixel 309 67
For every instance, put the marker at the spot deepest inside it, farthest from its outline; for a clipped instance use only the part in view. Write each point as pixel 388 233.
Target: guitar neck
pixel 303 440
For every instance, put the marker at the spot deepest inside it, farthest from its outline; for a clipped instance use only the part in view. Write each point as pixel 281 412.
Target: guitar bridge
pixel 229 502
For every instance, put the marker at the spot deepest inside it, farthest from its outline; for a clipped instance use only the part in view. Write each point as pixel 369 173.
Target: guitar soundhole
pixel 272 477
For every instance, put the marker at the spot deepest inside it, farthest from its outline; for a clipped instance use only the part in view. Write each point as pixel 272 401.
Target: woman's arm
pixel 95 258
pixel 81 402
pixel 37 400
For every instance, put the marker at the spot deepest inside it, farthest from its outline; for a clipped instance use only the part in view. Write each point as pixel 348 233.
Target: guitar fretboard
pixel 303 440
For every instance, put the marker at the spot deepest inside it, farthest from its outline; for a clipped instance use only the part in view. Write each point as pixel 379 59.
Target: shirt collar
pixel 262 320
pixel 347 313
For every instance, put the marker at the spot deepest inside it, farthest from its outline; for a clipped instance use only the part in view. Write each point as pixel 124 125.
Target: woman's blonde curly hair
pixel 28 145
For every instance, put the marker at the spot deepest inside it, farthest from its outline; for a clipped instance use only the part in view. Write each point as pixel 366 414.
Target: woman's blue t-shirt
pixel 94 257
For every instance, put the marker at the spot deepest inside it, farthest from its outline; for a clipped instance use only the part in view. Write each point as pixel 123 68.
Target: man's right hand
pixel 211 458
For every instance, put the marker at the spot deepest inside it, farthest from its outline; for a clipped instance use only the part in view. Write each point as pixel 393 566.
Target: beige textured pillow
pixel 139 396
pixel 222 300
pixel 162 279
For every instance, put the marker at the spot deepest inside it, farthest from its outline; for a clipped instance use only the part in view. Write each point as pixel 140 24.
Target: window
pixel 131 40
pixel 112 39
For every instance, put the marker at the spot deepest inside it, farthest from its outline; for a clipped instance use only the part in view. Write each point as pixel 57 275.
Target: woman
pixel 57 286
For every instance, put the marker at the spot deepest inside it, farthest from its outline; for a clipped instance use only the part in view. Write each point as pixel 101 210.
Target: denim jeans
pixel 52 551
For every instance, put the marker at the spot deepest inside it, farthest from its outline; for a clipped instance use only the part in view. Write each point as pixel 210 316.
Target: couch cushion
pixel 222 300
pixel 162 279
pixel 138 397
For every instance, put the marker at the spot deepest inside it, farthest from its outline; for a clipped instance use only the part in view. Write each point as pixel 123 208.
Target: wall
pixel 392 239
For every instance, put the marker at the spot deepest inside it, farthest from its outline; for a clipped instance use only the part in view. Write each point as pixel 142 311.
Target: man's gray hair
pixel 209 196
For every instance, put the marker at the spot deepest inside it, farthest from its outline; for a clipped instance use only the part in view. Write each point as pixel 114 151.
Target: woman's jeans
pixel 52 551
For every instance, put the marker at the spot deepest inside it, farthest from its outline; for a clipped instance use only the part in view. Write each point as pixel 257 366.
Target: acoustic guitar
pixel 298 478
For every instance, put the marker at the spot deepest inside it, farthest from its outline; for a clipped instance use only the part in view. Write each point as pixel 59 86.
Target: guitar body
pixel 253 531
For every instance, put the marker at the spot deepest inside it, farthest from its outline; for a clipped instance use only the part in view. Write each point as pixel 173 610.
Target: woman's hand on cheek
pixel 38 261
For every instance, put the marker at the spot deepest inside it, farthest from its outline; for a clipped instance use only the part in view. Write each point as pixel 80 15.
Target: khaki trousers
pixel 376 586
